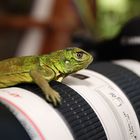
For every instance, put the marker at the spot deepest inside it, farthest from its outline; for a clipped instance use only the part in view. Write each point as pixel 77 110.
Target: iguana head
pixel 71 60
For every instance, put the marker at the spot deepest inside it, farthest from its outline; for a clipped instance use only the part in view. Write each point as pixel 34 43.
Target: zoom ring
pixel 82 120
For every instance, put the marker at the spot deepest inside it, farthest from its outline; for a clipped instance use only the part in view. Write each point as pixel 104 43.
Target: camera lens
pixel 98 103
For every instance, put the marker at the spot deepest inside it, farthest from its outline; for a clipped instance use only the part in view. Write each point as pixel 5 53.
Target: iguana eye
pixel 79 55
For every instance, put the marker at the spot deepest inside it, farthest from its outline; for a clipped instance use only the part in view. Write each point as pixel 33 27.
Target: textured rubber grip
pixel 127 80
pixel 80 117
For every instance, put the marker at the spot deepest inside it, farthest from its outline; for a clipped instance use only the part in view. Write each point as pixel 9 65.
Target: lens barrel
pixel 99 103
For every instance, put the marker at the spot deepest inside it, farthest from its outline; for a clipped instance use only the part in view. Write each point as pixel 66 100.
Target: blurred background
pixel 108 29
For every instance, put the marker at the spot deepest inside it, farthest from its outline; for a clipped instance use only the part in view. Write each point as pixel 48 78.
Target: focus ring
pixel 80 116
pixel 82 120
pixel 127 80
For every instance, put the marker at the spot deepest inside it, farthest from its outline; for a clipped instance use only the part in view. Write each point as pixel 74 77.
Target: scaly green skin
pixel 43 69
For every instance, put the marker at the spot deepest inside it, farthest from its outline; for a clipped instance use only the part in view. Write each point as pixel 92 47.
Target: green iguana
pixel 42 69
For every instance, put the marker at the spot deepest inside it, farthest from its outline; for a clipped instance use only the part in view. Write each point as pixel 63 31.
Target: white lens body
pixel 43 122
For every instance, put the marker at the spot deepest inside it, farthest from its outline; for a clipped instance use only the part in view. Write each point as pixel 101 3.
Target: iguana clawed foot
pixel 53 97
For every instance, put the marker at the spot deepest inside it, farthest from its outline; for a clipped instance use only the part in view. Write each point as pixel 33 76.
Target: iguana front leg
pixel 41 78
